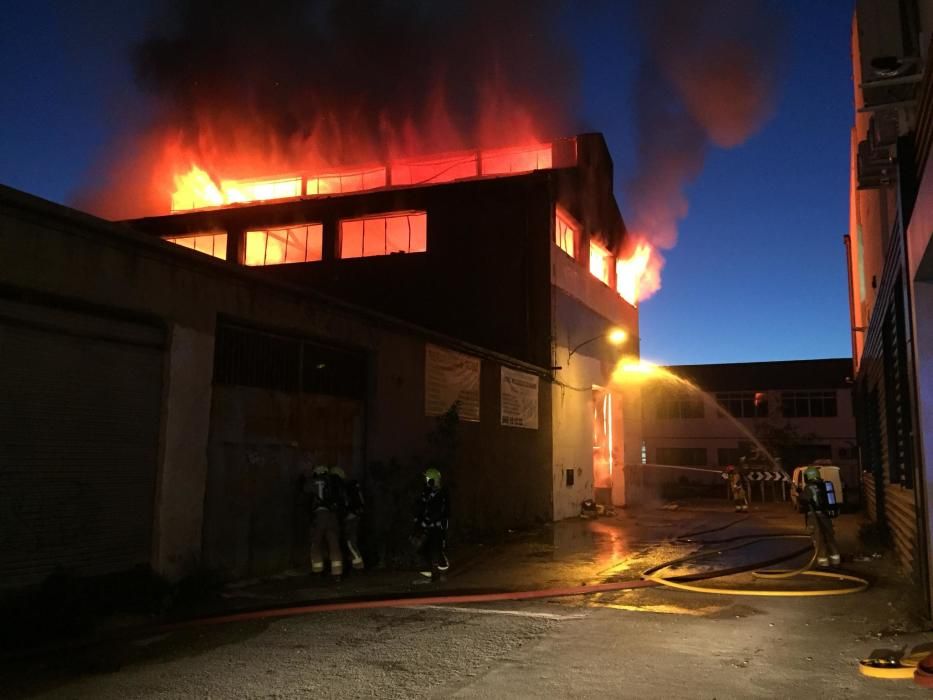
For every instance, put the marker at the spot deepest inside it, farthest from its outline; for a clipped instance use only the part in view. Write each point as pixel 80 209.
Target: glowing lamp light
pixel 617 336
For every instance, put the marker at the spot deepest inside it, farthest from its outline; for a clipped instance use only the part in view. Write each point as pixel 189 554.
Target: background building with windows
pixel 801 410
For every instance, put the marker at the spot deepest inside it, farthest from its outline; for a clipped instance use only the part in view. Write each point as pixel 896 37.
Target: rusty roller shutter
pixel 80 401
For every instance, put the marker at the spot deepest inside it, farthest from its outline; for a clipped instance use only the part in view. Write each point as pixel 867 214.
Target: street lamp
pixel 614 336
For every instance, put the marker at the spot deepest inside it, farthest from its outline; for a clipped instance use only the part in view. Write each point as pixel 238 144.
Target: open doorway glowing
pixel 607 447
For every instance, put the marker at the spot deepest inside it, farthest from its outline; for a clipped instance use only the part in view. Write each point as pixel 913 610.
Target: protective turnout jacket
pixel 432 509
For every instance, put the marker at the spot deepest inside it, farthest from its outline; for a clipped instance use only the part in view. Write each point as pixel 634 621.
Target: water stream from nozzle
pixel 636 371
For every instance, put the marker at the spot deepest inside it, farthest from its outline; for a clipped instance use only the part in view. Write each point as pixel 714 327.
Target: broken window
pixel 402 232
pixel 295 244
pixel 516 160
pixel 600 262
pixel 435 169
pixel 565 232
pixel 212 243
pixel 260 190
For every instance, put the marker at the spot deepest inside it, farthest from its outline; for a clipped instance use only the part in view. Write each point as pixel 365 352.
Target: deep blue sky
pixel 758 274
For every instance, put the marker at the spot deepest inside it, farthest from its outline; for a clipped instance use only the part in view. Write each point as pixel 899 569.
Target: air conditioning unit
pixel 875 166
pixel 883 130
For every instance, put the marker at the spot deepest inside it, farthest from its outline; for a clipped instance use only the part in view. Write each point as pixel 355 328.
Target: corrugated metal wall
pixel 80 402
pixel 885 416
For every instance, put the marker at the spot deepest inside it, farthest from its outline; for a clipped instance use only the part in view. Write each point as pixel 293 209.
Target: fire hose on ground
pixel 918 666
pixel 650 578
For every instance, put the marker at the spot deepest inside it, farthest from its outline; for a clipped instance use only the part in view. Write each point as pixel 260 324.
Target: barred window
pixel 255 358
pixel 808 404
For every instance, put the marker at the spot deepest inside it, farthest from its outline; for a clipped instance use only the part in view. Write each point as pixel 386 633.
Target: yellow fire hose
pixel 679 582
pixel 917 666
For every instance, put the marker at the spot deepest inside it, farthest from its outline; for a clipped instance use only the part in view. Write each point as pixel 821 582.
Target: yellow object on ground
pixel 892 669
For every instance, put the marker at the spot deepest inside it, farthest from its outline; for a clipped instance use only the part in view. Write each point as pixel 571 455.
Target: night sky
pixel 759 270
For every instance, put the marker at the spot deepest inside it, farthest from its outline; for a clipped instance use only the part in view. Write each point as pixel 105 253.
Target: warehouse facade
pixel 167 401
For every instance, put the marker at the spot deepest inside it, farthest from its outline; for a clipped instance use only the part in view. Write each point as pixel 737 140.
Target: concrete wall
pixel 183 472
pixel 585 309
pixel 501 476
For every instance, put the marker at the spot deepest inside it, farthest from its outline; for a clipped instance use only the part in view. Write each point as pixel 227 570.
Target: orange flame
pixel 196 189
pixel 638 276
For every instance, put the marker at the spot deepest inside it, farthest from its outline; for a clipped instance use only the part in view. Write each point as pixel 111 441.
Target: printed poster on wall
pixel 519 399
pixel 451 377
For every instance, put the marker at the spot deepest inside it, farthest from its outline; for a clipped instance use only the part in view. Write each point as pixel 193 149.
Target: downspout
pixel 847 241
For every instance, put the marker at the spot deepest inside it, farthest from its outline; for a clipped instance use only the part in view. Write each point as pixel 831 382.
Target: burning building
pixel 169 392
pixel 512 249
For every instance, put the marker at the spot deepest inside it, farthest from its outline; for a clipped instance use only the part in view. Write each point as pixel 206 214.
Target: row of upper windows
pixel 398 232
pixel 725 456
pixel 601 261
pixel 752 404
pixel 428 170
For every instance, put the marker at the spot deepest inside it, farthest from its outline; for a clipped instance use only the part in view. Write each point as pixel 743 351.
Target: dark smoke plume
pixel 306 83
pixel 709 77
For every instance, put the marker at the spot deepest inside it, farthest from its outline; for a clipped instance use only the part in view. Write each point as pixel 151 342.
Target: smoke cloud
pixel 709 78
pixel 253 88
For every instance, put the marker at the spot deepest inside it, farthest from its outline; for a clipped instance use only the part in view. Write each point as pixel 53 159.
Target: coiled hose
pixel 759 569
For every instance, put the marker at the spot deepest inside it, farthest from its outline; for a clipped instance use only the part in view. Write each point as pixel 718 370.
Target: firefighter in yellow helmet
pixel 432 516
pixel 819 500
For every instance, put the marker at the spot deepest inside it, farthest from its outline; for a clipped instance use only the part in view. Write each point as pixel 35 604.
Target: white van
pixel 828 472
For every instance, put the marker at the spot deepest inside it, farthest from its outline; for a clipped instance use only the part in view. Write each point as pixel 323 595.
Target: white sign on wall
pixel 519 402
pixel 451 378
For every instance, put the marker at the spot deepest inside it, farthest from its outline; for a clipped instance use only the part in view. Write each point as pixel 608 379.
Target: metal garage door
pixel 80 398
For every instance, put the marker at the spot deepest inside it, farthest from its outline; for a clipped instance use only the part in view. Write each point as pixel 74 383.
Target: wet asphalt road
pixel 650 643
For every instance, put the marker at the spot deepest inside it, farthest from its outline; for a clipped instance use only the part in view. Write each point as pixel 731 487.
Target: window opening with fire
pixel 516 160
pixel 600 262
pixel 565 232
pixel 212 243
pixel 432 170
pixel 355 181
pixel 294 244
pixel 398 232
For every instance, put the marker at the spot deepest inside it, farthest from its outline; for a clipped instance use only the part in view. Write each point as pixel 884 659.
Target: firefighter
pixel 352 514
pixel 820 505
pixel 739 492
pixel 432 515
pixel 325 491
